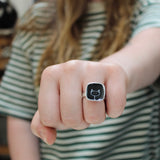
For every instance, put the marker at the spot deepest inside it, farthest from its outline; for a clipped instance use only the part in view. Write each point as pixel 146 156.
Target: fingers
pixel 115 91
pixel 47 134
pixel 48 100
pixel 61 104
pixel 71 99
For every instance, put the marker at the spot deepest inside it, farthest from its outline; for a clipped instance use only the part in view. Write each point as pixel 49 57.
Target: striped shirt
pixel 135 135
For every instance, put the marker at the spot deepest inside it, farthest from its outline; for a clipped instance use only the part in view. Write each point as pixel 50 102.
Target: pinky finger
pixel 47 134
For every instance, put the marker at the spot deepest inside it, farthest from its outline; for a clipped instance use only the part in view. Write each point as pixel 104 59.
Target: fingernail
pixel 45 140
pixel 43 137
pixel 35 133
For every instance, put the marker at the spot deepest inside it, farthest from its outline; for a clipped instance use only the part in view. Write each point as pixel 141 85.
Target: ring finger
pixel 93 107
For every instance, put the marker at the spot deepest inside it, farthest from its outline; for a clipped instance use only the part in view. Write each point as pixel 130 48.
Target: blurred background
pixel 10 12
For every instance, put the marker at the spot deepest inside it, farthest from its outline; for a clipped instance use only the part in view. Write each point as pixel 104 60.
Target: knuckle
pixel 83 125
pixel 47 72
pixel 50 71
pixel 115 68
pixel 90 66
pixel 36 128
pixel 46 122
pixel 93 119
pixel 116 114
pixel 71 66
pixel 71 122
pixel 49 122
pixel 73 62
pixel 94 68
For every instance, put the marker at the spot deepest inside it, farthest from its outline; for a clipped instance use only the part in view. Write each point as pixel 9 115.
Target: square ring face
pixel 95 92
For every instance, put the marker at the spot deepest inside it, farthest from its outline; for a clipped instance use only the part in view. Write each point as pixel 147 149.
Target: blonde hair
pixel 67 26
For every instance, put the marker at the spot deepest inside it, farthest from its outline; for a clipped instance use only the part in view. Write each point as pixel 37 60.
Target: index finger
pixel 48 100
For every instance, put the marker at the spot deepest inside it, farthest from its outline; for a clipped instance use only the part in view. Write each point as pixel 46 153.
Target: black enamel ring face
pixel 95 91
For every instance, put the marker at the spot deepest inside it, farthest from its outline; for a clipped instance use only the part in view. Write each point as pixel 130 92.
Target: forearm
pixel 22 143
pixel 140 59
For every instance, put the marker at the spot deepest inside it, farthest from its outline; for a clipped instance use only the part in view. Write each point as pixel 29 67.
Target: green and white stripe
pixel 133 136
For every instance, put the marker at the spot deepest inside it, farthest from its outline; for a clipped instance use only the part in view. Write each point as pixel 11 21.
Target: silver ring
pixel 95 92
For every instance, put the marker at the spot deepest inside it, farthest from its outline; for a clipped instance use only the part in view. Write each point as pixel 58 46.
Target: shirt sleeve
pixel 17 95
pixel 147 15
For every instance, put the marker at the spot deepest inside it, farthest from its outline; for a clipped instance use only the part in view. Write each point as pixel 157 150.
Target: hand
pixel 60 103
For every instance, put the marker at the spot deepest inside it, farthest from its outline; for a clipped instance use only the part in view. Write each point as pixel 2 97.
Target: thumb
pixel 47 134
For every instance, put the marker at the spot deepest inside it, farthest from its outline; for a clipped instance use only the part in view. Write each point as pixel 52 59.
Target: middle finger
pixel 71 102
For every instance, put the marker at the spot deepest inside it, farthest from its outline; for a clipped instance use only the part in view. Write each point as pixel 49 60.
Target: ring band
pixel 95 92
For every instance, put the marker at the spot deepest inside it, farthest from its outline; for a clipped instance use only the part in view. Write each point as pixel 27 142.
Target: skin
pixel 60 103
pixel 133 67
pixel 22 143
